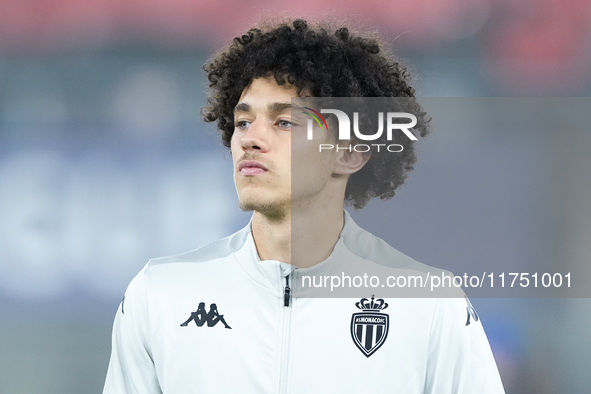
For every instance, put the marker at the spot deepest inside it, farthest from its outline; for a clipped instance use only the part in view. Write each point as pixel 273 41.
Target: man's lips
pixel 251 168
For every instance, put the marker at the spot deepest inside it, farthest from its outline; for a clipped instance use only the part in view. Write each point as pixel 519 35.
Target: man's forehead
pixel 269 87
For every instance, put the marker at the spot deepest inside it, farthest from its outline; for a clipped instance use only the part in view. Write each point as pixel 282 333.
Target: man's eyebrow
pixel 273 107
pixel 242 107
pixel 279 107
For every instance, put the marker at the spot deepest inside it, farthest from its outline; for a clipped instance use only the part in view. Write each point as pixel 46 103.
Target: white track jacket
pixel 220 320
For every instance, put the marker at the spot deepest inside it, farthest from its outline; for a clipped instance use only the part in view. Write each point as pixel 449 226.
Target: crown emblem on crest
pixel 371 306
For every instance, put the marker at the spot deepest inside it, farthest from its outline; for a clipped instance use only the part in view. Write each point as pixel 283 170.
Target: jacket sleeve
pixel 131 368
pixel 460 360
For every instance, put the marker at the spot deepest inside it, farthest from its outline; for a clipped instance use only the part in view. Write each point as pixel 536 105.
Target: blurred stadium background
pixel 105 163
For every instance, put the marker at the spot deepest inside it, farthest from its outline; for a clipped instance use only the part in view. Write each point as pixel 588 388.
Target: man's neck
pixel 302 237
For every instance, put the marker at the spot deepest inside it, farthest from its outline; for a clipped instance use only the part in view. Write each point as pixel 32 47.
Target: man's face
pixel 262 149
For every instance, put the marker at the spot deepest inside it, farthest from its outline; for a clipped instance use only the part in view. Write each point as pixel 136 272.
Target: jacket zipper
pixel 286 292
pixel 284 360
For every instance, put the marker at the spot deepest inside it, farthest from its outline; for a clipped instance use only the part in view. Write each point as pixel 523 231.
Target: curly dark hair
pixel 322 62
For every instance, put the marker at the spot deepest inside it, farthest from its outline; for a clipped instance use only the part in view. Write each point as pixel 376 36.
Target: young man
pixel 257 336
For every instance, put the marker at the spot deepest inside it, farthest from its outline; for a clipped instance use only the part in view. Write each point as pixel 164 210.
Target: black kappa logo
pixel 369 329
pixel 200 317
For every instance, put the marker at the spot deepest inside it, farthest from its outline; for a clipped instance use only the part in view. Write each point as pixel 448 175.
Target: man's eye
pixel 284 124
pixel 242 124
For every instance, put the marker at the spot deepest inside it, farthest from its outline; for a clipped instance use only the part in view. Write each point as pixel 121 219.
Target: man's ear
pixel 348 163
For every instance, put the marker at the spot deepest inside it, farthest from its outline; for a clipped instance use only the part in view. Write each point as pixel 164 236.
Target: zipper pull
pixel 287 292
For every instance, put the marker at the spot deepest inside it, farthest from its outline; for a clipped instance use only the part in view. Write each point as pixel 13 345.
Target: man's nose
pixel 257 136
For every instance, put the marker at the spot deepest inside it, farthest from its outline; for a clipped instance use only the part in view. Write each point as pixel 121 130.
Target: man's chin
pixel 270 210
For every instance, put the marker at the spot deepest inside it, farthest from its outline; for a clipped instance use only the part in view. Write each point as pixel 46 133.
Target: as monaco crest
pixel 369 328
